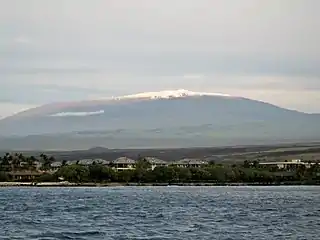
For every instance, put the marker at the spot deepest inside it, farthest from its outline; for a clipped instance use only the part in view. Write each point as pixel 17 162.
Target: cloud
pixel 22 39
pixel 77 114
pixel 193 76
pixel 267 50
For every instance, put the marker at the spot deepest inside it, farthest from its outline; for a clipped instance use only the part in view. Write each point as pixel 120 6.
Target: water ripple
pixel 160 213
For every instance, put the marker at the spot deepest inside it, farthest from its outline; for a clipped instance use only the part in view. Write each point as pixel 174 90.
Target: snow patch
pixel 76 114
pixel 170 94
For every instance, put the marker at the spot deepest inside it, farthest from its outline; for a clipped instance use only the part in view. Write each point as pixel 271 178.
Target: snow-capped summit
pixel 153 120
pixel 168 94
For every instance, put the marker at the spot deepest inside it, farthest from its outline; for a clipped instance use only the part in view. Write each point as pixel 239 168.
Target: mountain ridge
pixel 180 118
pixel 159 95
pixel 165 94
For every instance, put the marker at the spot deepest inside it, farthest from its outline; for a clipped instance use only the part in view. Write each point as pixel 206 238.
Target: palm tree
pixel 21 157
pixel 43 156
pixel 51 159
pixel 22 160
pixel 142 164
pixel 46 161
pixel 255 164
pixel 2 167
pixel 30 163
pixel 15 162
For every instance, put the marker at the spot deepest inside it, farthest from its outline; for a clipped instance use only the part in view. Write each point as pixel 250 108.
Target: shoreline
pixel 116 184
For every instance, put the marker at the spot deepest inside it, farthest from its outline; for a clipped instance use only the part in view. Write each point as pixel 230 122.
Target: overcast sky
pixel 61 50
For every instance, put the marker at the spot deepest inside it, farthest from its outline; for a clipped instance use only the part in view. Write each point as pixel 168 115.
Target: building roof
pixel 85 162
pixel 189 161
pixel 37 164
pixel 71 162
pixel 101 161
pixel 181 162
pixel 154 160
pixel 91 161
pixel 197 161
pixel 56 164
pixel 282 163
pixel 123 160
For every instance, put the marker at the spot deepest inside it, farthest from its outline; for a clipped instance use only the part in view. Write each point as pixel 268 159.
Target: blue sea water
pixel 160 213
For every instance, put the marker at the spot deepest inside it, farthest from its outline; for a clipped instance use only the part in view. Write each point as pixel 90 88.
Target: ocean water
pixel 160 213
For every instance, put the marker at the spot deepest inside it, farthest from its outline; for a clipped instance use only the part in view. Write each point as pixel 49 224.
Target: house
pixel 289 165
pixel 123 163
pixel 180 163
pixel 24 175
pixel 89 161
pixel 37 164
pixel 189 162
pixel 101 161
pixel 55 166
pixel 85 162
pixel 23 164
pixel 72 162
pixel 156 162
pixel 196 163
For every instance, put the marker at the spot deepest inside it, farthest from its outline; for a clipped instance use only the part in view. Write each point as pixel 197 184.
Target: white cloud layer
pixel 77 114
pixel 59 50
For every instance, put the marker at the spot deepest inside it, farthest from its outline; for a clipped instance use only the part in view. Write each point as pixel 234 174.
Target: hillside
pixel 158 119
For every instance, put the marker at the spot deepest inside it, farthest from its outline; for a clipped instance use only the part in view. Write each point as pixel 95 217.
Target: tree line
pixel 212 173
pixel 246 172
pixel 18 162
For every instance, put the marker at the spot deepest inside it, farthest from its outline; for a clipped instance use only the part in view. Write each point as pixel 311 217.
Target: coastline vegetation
pixel 244 173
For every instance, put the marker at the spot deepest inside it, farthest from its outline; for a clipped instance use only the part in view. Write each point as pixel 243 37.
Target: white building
pixel 156 162
pixel 123 163
pixel 189 162
pixel 288 164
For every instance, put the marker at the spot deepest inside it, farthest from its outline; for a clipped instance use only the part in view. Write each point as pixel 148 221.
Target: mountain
pixel 178 118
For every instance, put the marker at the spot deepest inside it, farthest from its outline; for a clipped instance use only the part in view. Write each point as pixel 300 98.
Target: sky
pixel 57 50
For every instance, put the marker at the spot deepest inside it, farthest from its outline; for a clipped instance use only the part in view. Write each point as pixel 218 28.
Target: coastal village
pixel 18 168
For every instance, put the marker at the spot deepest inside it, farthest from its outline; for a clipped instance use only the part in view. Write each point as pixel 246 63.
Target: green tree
pixel 246 164
pixel 4 176
pixel 142 164
pixel 74 173
pixel 162 175
pixel 300 172
pixel 64 162
pixel 47 177
pixel 30 164
pixel 5 165
pixel 217 173
pixel 47 161
pixel 199 174
pixel 183 174
pixel 100 173
pixel 125 176
pixel 255 164
pixel 212 162
pixel 15 162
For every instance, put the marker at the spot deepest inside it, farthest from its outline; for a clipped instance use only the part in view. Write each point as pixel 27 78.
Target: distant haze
pixel 58 51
